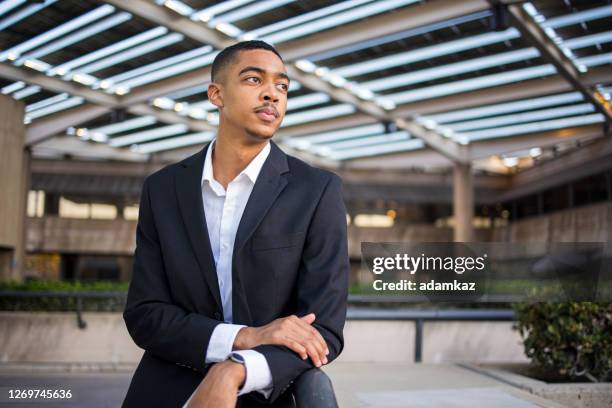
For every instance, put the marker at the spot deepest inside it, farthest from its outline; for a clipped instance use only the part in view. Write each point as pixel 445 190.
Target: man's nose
pixel 270 93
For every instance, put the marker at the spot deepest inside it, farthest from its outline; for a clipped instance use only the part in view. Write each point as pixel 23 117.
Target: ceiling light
pixel 228 29
pixel 535 151
pixel 151 134
pixel 335 20
pixel 305 65
pixel 179 7
pixel 111 49
pixel 126 125
pixel 120 90
pixel 163 103
pixel 510 161
pixel 60 30
pixel 36 65
pixel 24 13
pixel 57 107
pixel 175 142
pixel 15 86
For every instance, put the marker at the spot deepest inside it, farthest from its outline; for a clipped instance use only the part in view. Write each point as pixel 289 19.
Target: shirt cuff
pixel 221 342
pixel 258 375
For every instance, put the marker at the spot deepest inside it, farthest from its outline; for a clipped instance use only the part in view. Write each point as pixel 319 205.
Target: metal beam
pixel 338 94
pixel 415 16
pixel 590 159
pixel 74 146
pixel 326 125
pixel 379 26
pixel 448 148
pixel 168 116
pixel 44 128
pixel 166 86
pixel 534 33
pixel 477 150
pixel 96 168
pixel 374 27
pixel 57 85
pixel 543 139
pixel 426 158
pixel 166 17
pixel 523 90
pixel 444 146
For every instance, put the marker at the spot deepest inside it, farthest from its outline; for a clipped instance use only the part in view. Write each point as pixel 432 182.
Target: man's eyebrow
pixel 262 71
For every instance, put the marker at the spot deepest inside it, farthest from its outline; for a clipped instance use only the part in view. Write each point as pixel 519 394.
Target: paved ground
pixel 94 390
pixel 383 385
pixel 361 385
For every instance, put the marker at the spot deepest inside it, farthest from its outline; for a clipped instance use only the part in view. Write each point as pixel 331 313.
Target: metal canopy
pixel 369 78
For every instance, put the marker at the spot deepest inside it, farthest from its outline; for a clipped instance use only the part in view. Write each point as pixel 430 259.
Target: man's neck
pixel 230 157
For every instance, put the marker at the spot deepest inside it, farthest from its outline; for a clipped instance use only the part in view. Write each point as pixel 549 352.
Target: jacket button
pixel 217 315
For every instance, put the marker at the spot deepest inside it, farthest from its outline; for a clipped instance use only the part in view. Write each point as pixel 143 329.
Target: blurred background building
pixel 447 120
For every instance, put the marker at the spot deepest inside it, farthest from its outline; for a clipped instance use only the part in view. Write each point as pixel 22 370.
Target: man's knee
pixel 313 388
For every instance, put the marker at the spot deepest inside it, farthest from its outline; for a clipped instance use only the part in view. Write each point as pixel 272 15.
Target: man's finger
pixel 296 347
pixel 309 318
pixel 308 330
pixel 313 353
pixel 310 338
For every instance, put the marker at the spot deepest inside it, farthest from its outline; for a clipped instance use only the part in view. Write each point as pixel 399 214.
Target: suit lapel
pixel 269 184
pixel 189 195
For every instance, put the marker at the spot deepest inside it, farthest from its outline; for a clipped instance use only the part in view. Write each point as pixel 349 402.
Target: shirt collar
pixel 251 170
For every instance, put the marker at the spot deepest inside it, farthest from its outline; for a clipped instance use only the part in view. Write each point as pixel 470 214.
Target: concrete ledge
pixel 55 338
pixel 50 368
pixel 578 395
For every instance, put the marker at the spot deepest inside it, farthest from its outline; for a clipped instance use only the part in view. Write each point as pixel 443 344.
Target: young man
pixel 241 266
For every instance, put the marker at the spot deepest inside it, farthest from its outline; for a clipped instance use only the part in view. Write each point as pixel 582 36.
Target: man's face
pixel 252 93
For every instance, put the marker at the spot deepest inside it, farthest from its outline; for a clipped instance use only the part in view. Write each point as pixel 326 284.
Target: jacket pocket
pixel 276 241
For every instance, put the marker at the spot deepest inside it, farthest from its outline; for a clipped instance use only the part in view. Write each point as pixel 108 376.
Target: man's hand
pixel 219 389
pixel 294 332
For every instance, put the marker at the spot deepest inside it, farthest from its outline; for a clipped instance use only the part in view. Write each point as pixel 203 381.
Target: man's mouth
pixel 267 114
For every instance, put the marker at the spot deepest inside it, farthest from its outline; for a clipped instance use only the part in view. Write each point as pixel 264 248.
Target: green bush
pixel 64 286
pixel 571 340
pixel 51 303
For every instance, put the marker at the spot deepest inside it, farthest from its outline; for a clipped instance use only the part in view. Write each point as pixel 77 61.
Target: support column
pixel 14 181
pixel 463 202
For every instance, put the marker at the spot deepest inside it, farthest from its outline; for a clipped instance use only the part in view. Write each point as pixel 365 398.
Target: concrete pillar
pixel 14 185
pixel 463 202
pixel 126 263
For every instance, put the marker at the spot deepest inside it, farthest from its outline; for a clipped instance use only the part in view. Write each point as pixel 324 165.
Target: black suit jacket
pixel 290 257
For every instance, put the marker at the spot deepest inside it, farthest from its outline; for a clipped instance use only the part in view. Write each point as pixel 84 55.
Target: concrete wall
pixel 87 236
pixel 117 237
pixel 55 337
pixel 14 177
pixel 592 223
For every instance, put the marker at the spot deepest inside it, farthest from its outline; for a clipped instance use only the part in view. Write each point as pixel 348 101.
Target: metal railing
pixel 418 316
pixel 77 296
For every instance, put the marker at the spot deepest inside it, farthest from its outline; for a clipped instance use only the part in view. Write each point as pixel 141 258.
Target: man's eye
pixel 284 87
pixel 255 78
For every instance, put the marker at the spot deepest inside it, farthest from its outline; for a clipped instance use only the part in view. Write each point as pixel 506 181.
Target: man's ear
pixel 215 94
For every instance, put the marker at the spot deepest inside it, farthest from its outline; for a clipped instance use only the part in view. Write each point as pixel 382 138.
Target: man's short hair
pixel 228 55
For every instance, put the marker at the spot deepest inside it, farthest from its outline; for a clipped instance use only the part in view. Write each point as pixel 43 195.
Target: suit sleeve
pixel 154 321
pixel 322 287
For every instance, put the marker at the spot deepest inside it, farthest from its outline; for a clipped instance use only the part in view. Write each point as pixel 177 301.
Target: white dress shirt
pixel 223 210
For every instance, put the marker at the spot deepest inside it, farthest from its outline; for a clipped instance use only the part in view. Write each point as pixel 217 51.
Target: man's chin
pixel 257 133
